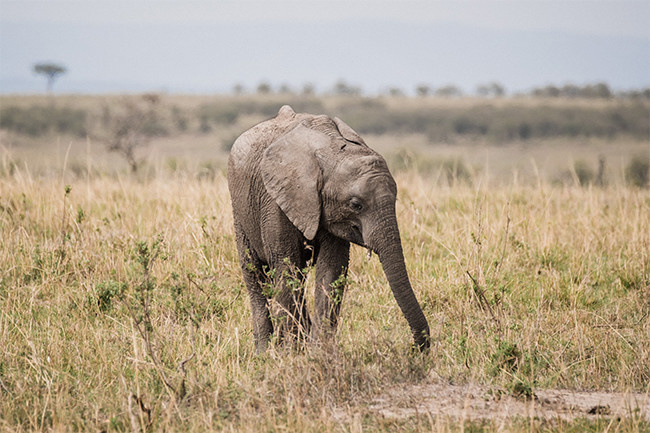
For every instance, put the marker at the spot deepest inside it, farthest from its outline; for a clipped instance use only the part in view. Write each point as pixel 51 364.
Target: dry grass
pixel 525 288
pixel 122 306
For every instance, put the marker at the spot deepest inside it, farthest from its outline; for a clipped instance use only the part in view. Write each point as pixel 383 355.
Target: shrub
pixel 225 112
pixel 452 170
pixel 506 123
pixel 106 291
pixel 40 120
pixel 637 172
pixel 583 172
pixel 216 114
pixel 130 125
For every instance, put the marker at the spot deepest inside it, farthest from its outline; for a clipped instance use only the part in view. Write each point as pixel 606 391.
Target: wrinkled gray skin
pixel 303 188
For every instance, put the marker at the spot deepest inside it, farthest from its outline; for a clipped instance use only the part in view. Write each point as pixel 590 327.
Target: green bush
pixel 219 114
pixel 38 120
pixel 496 123
pixel 227 112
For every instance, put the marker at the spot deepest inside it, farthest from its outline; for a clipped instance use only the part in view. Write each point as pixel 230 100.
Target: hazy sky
pixel 208 46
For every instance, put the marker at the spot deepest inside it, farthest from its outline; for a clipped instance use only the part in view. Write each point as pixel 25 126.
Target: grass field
pixel 122 306
pixel 107 288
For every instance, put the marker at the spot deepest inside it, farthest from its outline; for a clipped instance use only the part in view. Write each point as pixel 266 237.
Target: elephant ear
pixel 292 176
pixel 348 133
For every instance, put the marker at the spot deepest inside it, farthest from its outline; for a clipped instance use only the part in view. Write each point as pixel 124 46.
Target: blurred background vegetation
pixel 562 134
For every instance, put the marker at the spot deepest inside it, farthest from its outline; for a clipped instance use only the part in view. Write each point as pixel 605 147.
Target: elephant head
pixel 325 178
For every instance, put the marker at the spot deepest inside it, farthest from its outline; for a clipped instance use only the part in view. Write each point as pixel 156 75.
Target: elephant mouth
pixel 357 235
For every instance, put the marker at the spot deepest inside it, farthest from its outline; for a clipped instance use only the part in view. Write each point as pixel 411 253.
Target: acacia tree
pixel 51 72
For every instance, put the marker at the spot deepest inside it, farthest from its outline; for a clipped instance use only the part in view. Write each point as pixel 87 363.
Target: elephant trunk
pixel 385 241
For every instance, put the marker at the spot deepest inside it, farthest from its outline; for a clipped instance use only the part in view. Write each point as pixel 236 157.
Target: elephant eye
pixel 356 205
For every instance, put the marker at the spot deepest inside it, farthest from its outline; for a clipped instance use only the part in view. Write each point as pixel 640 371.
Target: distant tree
pixel 549 91
pixel 343 88
pixel 635 94
pixel 264 88
pixel 598 90
pixel 308 89
pixel 449 91
pixel 483 90
pixel 493 89
pixel 285 89
pixel 51 72
pixel 497 89
pixel 423 90
pixel 571 90
pixel 395 91
pixel 238 89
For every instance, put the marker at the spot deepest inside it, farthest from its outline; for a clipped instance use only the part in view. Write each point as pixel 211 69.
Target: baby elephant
pixel 303 187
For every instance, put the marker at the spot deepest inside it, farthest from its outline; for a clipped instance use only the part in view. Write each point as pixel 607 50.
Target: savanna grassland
pixel 122 307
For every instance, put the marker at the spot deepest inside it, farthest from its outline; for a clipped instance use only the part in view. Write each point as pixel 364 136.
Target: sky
pixel 209 46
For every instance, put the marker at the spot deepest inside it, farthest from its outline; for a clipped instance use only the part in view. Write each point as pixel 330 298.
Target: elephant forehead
pixel 382 183
pixel 367 172
pixel 367 165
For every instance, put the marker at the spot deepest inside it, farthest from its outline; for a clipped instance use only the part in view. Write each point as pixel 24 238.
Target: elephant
pixel 303 188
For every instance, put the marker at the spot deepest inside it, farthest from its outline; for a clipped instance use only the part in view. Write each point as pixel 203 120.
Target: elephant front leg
pixel 292 322
pixel 331 273
pixel 262 325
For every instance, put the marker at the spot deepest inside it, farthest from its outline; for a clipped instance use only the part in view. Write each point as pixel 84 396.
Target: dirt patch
pixel 478 402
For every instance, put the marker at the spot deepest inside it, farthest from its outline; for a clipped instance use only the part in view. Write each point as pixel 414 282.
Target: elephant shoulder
pixel 241 148
pixel 248 148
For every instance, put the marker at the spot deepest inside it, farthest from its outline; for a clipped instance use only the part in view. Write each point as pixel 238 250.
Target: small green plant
pixel 37 268
pixel 81 215
pixel 269 285
pixel 521 389
pixel 338 287
pixel 64 224
pixel 192 303
pixel 106 291
pixel 145 255
pixel 507 357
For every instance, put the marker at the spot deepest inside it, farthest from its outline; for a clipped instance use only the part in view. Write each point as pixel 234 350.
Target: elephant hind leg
pixel 252 271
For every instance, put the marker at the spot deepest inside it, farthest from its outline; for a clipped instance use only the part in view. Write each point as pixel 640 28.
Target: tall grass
pixel 122 307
